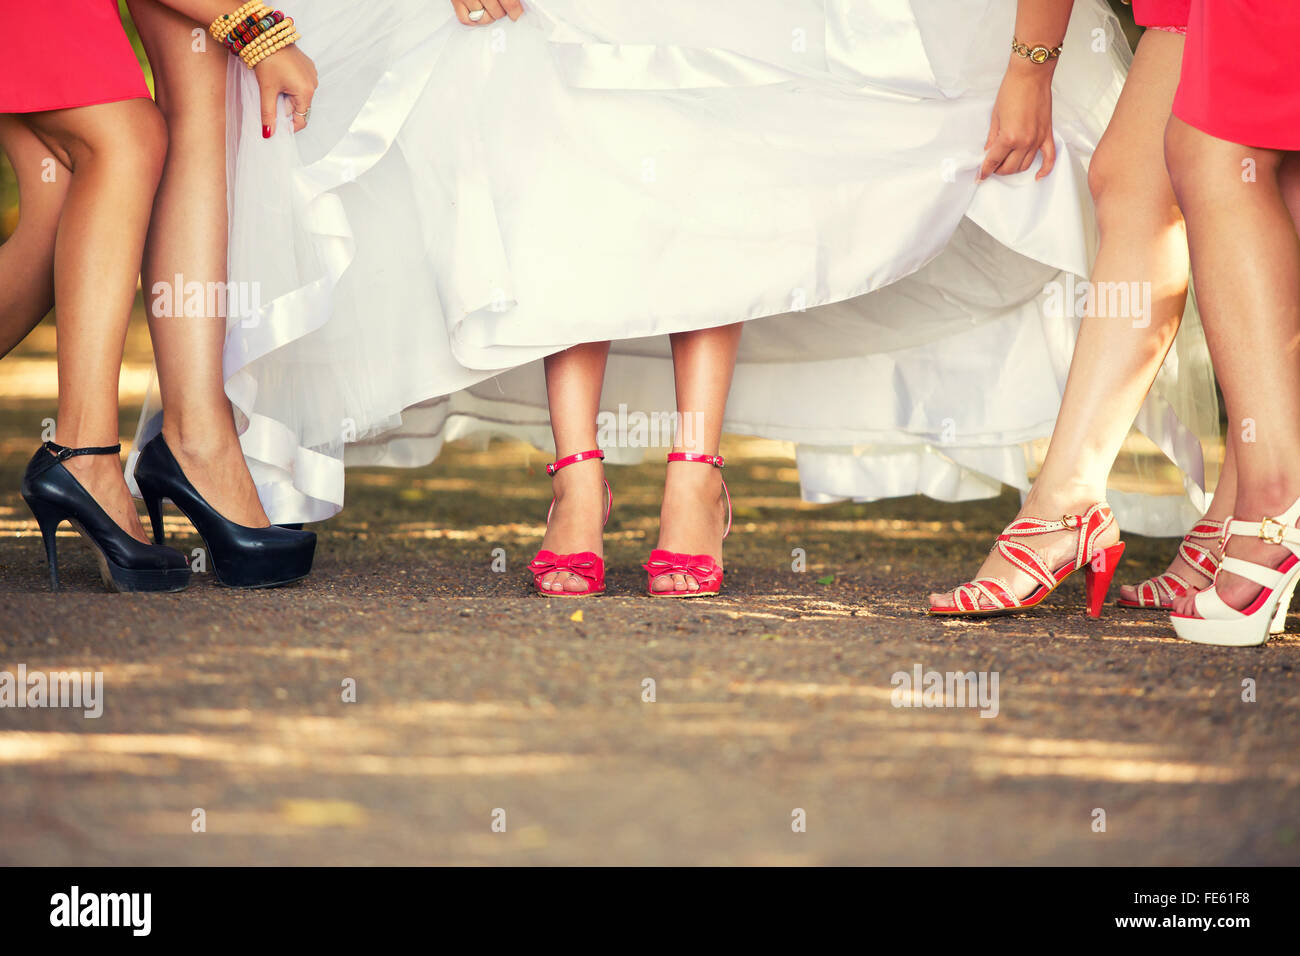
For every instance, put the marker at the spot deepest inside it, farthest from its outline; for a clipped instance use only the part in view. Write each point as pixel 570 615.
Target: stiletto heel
pixel 1216 622
pixel 242 557
pixel 584 564
pixel 706 571
pixel 1097 576
pixel 48 518
pixel 55 496
pixel 153 504
pixel 997 595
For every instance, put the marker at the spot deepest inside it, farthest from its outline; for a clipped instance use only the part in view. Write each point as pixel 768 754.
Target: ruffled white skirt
pixel 466 201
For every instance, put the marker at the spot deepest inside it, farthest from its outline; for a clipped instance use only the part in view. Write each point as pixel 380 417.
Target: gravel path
pixel 476 702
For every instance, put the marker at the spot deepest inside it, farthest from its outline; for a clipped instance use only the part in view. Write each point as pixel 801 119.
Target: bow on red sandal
pixel 986 597
pixel 584 564
pixel 706 571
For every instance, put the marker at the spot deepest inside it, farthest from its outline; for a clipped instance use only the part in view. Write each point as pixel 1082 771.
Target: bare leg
pixel 188 238
pixel 116 152
pixel 693 515
pixel 1225 493
pixel 27 257
pixel 574 379
pixel 1115 360
pixel 1247 257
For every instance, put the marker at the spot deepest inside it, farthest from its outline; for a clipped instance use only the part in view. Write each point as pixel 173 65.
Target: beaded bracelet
pixel 275 48
pixel 223 25
pixel 267 39
pixel 264 28
pixel 254 31
pixel 250 29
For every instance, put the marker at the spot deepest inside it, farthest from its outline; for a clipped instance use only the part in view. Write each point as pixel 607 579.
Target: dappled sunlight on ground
pixel 623 728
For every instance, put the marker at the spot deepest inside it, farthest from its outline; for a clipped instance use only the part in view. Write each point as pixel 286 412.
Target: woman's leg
pixel 1246 253
pixel 1116 358
pixel 1225 492
pixel 27 257
pixel 693 516
pixel 574 379
pixel 116 152
pixel 188 238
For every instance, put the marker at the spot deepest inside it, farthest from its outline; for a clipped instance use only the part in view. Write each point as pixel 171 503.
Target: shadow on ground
pixel 476 701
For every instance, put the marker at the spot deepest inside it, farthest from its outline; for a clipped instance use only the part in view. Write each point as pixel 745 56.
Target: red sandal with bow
pixel 584 564
pixel 706 571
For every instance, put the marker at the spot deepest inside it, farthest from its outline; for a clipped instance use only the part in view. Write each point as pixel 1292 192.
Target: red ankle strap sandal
pixel 703 568
pixel 1158 593
pixel 587 565
pixel 986 597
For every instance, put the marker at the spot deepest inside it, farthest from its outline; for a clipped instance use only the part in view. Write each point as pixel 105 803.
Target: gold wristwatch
pixel 1035 54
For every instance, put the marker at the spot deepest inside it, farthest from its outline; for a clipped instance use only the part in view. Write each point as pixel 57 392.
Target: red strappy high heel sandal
pixel 1158 593
pixel 702 567
pixel 584 564
pixel 1098 565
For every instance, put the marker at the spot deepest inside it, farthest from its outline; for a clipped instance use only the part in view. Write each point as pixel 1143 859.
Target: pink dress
pixel 66 53
pixel 1239 72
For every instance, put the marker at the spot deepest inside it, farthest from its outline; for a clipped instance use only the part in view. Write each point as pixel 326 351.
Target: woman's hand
pixel 291 72
pixel 492 10
pixel 1022 122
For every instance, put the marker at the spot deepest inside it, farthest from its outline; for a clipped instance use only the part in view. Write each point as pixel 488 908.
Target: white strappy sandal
pixel 1218 623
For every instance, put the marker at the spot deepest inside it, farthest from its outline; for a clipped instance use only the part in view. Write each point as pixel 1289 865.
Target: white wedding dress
pixel 468 200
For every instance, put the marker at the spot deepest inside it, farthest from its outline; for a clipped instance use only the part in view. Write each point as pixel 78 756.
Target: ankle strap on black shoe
pixel 63 452
pixel 52 453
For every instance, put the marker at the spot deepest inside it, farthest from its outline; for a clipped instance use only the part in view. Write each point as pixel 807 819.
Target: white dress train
pixel 466 201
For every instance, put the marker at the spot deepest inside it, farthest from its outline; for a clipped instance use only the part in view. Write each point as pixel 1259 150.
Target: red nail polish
pixel 266 132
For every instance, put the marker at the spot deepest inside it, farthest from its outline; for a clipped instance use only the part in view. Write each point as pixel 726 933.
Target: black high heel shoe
pixel 242 557
pixel 125 564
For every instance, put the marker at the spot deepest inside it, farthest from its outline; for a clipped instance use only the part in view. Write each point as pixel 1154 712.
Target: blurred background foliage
pixel 9 190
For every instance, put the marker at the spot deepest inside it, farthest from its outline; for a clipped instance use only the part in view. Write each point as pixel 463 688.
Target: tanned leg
pixel 188 237
pixel 693 516
pixel 116 152
pixel 574 379
pixel 1246 254
pixel 1116 358
pixel 27 257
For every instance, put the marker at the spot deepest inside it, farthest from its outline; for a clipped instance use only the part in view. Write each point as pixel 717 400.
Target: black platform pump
pixel 125 564
pixel 242 557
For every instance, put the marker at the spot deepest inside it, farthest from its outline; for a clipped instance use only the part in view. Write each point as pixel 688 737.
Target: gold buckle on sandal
pixel 1276 537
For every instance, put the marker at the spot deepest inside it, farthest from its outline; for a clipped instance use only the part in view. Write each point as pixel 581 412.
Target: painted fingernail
pixel 266 132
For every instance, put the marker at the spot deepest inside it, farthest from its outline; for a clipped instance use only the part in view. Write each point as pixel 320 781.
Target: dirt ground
pixel 478 704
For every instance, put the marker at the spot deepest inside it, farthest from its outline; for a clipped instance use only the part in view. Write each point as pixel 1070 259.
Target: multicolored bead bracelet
pixel 254 31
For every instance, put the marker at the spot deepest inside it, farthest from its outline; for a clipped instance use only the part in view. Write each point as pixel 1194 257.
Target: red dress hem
pixel 70 53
